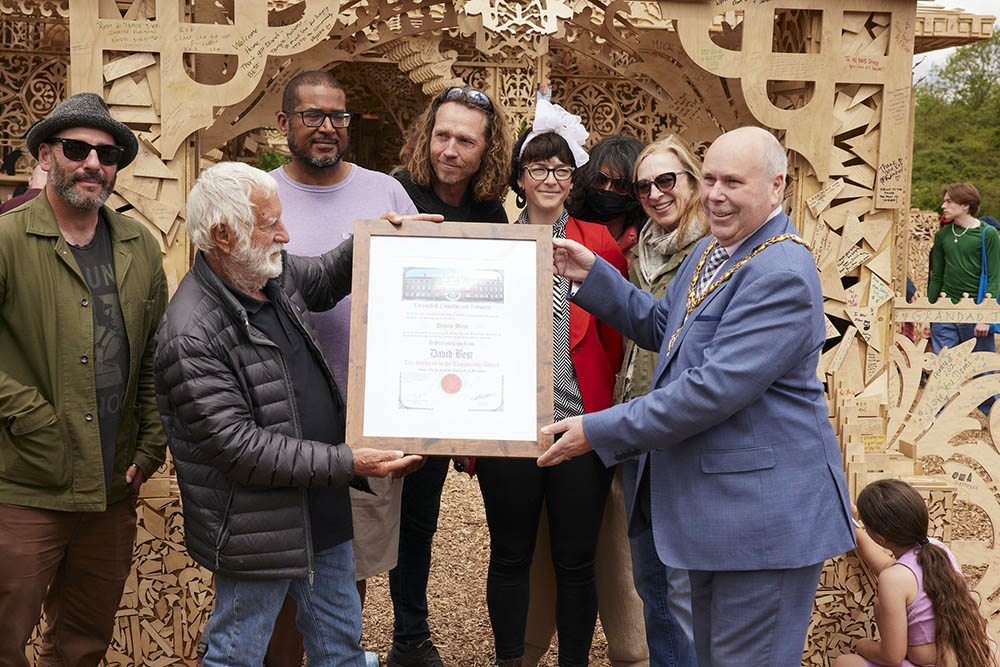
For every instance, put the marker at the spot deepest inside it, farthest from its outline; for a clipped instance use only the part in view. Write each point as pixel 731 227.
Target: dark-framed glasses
pixel 540 173
pixel 314 118
pixel 620 186
pixel 474 97
pixel 78 151
pixel 664 182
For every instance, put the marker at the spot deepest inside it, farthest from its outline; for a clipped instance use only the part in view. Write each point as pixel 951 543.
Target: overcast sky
pixel 938 57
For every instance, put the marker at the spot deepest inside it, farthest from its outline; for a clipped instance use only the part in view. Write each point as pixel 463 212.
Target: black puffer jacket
pixel 227 405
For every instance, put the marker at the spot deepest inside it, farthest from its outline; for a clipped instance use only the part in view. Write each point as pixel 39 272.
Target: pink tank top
pixel 920 625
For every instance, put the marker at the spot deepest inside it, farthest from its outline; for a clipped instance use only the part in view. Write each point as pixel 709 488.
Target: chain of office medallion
pixel 694 299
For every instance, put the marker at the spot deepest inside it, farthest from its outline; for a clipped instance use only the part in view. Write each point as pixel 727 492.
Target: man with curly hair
pixel 456 162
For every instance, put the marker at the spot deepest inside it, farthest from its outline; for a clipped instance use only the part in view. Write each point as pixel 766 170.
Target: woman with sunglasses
pixel 602 190
pixel 586 356
pixel 667 184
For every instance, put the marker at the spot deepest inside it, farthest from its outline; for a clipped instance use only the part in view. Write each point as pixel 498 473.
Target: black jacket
pixel 227 405
pixel 470 210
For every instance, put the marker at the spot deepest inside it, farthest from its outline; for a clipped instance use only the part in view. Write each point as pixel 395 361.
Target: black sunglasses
pixel 78 151
pixel 474 97
pixel 314 118
pixel 604 182
pixel 664 182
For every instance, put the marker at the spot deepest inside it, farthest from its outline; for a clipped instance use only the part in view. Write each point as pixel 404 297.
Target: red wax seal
pixel 451 383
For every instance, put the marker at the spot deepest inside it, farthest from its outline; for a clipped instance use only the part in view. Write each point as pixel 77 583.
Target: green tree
pixel 957 128
pixel 271 160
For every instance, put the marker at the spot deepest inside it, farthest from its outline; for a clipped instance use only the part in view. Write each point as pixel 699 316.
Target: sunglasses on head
pixel 474 97
pixel 664 182
pixel 618 185
pixel 78 151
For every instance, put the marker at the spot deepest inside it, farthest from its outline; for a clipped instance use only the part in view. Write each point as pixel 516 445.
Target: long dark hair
pixel 619 153
pixel 894 509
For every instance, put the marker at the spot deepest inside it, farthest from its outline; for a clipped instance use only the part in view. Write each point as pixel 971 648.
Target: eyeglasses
pixel 314 118
pixel 471 95
pixel 78 151
pixel 664 182
pixel 604 182
pixel 540 173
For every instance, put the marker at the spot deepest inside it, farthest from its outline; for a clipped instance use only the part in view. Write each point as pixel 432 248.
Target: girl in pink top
pixel 925 612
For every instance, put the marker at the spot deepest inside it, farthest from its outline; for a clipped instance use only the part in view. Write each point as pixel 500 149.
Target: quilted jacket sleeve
pixel 208 417
pixel 324 280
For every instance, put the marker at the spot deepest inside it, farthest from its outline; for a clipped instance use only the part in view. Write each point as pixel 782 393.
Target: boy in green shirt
pixel 956 264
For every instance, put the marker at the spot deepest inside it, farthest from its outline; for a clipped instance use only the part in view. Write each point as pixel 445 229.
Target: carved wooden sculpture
pixel 831 79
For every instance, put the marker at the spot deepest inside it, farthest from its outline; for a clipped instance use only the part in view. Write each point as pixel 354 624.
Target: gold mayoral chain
pixel 694 299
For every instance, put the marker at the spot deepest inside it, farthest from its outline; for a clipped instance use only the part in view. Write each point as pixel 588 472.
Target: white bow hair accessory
pixel 553 118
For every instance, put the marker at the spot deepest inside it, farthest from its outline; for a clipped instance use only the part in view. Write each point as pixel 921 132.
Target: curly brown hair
pixel 490 182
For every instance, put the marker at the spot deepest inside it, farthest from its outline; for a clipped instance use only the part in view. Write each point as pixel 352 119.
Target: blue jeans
pixel 666 605
pixel 665 593
pixel 418 519
pixel 950 334
pixel 329 615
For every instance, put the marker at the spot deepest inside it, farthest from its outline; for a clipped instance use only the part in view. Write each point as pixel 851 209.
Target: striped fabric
pixel 566 398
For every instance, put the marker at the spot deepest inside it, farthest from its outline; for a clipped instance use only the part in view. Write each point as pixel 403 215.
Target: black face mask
pixel 606 205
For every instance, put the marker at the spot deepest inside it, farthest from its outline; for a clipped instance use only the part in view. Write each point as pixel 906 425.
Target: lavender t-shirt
pixel 319 218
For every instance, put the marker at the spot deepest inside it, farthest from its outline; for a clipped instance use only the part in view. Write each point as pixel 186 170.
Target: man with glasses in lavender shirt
pixel 322 194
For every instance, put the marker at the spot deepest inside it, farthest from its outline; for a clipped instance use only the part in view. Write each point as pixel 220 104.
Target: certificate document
pixel 451 341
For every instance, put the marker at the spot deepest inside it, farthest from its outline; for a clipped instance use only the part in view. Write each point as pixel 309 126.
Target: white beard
pixel 254 266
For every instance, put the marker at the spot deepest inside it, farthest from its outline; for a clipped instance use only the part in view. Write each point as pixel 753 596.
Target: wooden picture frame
pixel 451 345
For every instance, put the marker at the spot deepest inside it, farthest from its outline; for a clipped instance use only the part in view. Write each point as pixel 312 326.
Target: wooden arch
pixel 830 77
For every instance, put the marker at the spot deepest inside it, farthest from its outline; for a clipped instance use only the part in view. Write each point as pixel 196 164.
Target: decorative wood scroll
pixel 831 79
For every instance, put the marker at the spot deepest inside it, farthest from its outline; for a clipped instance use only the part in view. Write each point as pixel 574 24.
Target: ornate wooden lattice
pixel 34 54
pixel 831 79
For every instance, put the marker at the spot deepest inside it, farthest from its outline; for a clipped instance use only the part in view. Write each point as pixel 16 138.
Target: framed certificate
pixel 451 338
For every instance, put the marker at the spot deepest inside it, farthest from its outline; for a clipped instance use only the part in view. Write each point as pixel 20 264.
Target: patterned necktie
pixel 714 261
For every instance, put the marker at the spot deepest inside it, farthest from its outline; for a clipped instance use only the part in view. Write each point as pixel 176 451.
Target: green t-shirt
pixel 956 262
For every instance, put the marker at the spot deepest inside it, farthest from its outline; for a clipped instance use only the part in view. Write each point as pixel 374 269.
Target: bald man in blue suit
pixel 740 475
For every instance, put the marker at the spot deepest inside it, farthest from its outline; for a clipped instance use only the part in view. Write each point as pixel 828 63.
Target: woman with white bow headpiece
pixel 586 355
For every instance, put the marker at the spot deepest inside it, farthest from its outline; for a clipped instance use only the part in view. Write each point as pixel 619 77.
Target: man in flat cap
pixel 81 292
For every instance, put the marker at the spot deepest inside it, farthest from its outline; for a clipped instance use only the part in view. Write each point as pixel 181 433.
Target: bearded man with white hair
pixel 255 424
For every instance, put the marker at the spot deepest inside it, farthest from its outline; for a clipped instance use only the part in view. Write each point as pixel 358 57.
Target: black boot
pixel 508 662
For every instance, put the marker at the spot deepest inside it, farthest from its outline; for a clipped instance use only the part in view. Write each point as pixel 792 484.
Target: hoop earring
pixel 520 201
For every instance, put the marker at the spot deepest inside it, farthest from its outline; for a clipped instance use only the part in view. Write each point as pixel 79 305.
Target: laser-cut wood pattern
pixel 831 79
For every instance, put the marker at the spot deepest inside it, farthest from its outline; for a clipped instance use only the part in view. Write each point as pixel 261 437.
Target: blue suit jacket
pixel 745 470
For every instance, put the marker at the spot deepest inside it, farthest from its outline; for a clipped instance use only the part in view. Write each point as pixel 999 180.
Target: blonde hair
pixel 692 167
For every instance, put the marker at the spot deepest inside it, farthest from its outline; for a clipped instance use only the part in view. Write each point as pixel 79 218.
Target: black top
pixel 470 210
pixel 329 507
pixel 109 357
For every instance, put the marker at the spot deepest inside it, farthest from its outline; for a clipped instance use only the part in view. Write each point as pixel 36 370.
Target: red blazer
pixel 596 348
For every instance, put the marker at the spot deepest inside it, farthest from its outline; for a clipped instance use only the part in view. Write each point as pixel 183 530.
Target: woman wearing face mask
pixel 602 190
pixel 667 182
pixel 586 356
